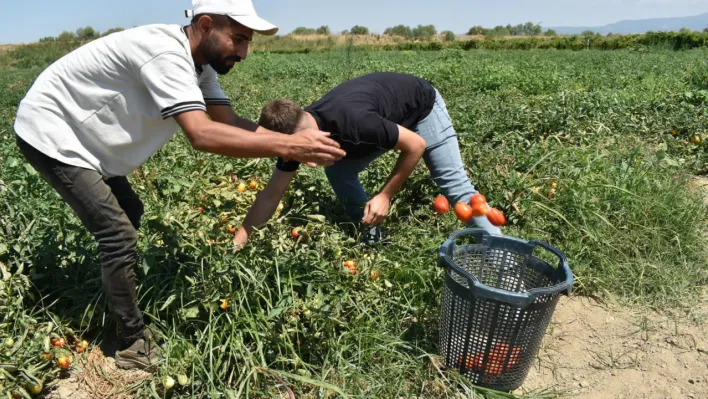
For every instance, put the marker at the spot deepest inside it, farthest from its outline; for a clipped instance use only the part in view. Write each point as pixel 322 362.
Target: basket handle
pixel 444 248
pixel 562 262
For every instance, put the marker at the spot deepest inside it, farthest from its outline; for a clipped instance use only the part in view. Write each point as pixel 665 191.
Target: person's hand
pixel 376 210
pixel 313 147
pixel 240 239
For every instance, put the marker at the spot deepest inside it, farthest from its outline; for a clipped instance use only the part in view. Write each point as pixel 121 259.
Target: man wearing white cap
pixel 101 111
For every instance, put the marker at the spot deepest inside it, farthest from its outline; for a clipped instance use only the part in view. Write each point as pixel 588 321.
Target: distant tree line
pixel 527 29
pixel 82 34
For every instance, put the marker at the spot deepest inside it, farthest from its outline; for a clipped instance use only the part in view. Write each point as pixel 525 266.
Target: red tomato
pixel 441 205
pixel 477 199
pixel 463 212
pixel 64 362
pixel 496 217
pixel 295 232
pixel 480 209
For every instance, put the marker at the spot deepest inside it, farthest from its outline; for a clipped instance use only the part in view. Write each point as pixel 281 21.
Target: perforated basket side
pixel 474 332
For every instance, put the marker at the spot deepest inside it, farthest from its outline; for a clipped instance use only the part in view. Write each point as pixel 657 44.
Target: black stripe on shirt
pixel 183 109
pixel 217 101
pixel 170 108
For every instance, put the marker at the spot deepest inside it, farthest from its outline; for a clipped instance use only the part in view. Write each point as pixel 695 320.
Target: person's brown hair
pixel 281 115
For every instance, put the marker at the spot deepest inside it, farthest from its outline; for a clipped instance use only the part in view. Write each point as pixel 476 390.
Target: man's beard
pixel 213 57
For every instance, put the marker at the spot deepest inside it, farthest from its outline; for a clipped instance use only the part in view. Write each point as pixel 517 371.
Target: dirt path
pixel 595 351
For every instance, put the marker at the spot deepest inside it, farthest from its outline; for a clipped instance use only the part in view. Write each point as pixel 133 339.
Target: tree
pixel 47 39
pixel 448 36
pixel 66 36
pixel 424 32
pixel 588 33
pixel 498 31
pixel 359 30
pixel 87 33
pixel 551 32
pixel 476 30
pixel 399 30
pixel 303 31
pixel 323 30
pixel 112 30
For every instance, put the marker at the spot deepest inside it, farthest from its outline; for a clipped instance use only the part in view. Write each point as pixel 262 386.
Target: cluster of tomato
pixel 351 266
pixel 252 185
pixel 495 361
pixel 63 353
pixel 477 207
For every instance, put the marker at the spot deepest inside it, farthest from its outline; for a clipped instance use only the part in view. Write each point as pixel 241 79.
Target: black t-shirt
pixel 362 113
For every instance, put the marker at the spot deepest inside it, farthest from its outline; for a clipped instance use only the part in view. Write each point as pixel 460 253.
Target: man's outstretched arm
pixel 263 209
pixel 306 146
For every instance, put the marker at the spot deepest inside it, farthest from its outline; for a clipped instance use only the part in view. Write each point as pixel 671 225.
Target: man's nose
pixel 242 51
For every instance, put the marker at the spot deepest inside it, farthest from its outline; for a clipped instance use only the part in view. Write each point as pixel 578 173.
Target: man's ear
pixel 205 24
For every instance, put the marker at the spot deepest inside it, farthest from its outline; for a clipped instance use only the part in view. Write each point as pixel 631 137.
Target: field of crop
pixel 619 134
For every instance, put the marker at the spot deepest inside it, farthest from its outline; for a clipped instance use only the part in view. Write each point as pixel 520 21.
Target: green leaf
pixel 275 312
pixel 310 381
pixel 317 218
pixel 30 170
pixel 190 312
pixel 169 300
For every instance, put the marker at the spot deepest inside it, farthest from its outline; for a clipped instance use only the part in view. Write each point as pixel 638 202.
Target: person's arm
pixel 225 114
pixel 306 146
pixel 169 78
pixel 264 207
pixel 412 147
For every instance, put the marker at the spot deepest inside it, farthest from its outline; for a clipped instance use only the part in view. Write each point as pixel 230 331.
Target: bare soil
pixel 95 376
pixel 593 350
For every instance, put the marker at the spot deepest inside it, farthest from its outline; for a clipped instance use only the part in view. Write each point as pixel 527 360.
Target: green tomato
pixel 34 389
pixel 182 380
pixel 168 382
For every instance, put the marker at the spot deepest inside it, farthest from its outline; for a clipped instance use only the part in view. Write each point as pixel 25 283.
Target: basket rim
pixel 527 247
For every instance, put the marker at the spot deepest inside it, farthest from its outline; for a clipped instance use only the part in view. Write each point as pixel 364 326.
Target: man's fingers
pixel 367 214
pixel 377 220
pixel 336 152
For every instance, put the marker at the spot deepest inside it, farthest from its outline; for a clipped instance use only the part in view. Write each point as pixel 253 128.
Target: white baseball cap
pixel 241 11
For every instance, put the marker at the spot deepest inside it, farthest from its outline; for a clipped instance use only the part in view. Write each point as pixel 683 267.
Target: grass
pixel 610 129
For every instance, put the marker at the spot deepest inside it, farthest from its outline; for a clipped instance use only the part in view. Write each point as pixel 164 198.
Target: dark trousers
pixel 111 211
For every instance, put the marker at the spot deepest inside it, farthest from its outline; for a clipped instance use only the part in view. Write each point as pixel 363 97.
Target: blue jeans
pixel 442 157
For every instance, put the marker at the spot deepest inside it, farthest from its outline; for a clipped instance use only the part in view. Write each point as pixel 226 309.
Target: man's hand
pixel 240 239
pixel 376 210
pixel 313 147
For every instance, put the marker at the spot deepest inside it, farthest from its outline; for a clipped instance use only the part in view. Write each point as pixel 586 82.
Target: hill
pixel 696 22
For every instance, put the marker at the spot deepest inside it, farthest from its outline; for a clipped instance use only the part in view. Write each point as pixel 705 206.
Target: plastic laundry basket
pixel 497 301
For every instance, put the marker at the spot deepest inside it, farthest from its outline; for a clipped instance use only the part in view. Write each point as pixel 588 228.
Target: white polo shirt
pixel 108 105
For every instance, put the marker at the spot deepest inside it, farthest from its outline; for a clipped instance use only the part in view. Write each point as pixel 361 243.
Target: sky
pixel 28 20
